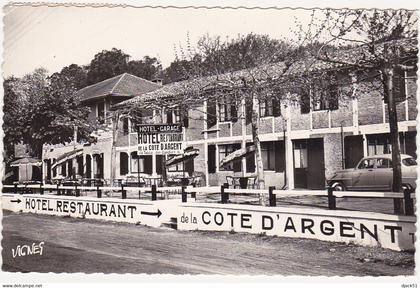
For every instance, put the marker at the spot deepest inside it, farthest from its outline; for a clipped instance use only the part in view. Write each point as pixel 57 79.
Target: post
pixel 272 196
pixel 194 194
pixel 58 190
pixel 16 188
pixel 98 191
pixel 123 192
pixel 331 199
pixel 183 194
pixel 408 202
pixel 154 192
pixel 77 190
pixel 224 196
pixel 41 190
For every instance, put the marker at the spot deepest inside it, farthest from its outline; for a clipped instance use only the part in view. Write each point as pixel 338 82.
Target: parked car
pixel 374 173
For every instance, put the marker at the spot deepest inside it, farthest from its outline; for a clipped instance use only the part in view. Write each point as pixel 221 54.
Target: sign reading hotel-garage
pixel 160 139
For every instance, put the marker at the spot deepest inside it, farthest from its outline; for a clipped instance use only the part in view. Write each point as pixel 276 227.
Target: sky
pixel 55 37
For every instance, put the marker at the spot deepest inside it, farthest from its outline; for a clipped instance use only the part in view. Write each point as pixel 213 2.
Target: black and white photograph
pixel 193 140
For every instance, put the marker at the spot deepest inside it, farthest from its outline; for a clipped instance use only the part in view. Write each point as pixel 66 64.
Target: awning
pixel 237 155
pixel 26 161
pixel 189 153
pixel 67 156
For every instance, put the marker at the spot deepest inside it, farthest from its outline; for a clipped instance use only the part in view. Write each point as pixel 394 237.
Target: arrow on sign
pixel 158 213
pixel 17 201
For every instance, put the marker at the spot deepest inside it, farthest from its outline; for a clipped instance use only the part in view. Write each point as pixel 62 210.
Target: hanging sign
pixel 160 139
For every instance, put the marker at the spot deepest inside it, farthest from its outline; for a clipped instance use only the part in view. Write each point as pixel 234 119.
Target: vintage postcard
pixel 199 140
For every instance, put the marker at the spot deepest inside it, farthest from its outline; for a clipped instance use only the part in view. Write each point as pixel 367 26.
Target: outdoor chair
pixel 252 183
pixel 232 182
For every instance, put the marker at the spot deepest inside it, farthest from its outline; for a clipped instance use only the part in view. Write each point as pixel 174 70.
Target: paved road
pixel 75 245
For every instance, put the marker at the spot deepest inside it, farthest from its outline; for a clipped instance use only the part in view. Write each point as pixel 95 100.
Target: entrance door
pixel 353 147
pixel 316 166
pixel 300 160
pixel 309 167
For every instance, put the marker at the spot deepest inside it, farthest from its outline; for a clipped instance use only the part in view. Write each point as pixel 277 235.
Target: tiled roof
pixel 273 71
pixel 124 85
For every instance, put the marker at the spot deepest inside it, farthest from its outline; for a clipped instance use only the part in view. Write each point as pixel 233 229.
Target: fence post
pixel 58 190
pixel 224 196
pixel 98 191
pixel 331 199
pixel 194 194
pixel 16 188
pixel 77 190
pixel 271 196
pixel 41 190
pixel 408 202
pixel 123 192
pixel 154 192
pixel 183 195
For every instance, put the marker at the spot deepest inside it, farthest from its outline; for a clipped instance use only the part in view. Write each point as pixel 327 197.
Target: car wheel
pixel 338 186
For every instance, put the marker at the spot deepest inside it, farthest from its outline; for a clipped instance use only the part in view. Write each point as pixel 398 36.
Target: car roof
pixel 387 156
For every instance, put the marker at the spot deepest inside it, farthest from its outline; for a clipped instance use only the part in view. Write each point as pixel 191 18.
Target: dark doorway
pixel 309 165
pixel 48 168
pixel 123 163
pixel 88 166
pixel 316 164
pixel 353 150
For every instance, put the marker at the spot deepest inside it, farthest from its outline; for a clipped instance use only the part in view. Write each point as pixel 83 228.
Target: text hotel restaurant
pixel 302 143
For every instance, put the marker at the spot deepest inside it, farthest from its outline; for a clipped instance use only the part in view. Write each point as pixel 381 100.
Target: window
pixel 177 167
pixel 300 154
pixel 383 163
pixel 367 164
pixel 173 116
pixel 268 155
pixel 324 98
pixel 269 107
pixel 409 162
pixel 228 111
pixel 141 163
pixel 101 112
pixel 379 144
pixel 225 150
pixel 125 126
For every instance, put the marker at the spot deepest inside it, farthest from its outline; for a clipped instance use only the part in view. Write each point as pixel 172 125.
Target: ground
pixel 76 245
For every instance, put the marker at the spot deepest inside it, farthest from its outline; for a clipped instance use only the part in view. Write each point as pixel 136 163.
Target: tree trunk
pixel 255 132
pixel 394 137
pixel 115 126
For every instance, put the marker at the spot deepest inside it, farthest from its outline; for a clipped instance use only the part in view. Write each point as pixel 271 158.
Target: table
pixel 153 181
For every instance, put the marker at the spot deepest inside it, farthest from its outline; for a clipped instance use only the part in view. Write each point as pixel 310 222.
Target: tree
pixel 12 119
pixel 107 64
pixel 386 43
pixel 48 111
pixel 72 76
pixel 147 68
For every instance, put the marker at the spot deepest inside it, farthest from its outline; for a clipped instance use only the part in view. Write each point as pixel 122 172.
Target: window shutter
pixel 185 119
pixel 159 164
pixel 305 102
pixel 123 163
pixel 148 164
pixel 189 166
pixel 248 112
pixel 211 149
pixel 333 97
pixel 211 113
pixel 279 152
pixel 234 112
pixel 237 164
pixel 276 107
pixel 169 119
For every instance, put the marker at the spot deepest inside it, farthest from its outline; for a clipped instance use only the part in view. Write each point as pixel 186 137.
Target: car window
pixel 409 162
pixel 367 164
pixel 383 163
